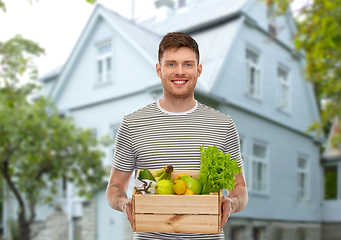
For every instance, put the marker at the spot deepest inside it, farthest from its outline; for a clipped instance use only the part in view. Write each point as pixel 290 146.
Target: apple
pixel 164 187
pixel 193 184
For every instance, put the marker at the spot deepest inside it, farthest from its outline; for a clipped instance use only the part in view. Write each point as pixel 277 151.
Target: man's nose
pixel 180 70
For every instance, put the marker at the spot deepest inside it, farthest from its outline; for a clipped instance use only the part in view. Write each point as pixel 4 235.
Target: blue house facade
pixel 250 72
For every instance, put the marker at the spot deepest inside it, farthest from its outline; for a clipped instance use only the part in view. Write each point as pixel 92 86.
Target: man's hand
pixel 127 208
pixel 236 200
pixel 227 207
pixel 117 192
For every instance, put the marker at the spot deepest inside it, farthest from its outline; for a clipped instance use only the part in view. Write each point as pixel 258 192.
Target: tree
pixel 37 146
pixel 318 35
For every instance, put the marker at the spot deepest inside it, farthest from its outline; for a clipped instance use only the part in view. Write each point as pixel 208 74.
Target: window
pixel 259 168
pixel 62 192
pixel 104 63
pixel 330 182
pixel 237 233
pixel 253 73
pixel 302 177
pixel 94 133
pixel 257 233
pixel 301 234
pixel 278 235
pixel 284 89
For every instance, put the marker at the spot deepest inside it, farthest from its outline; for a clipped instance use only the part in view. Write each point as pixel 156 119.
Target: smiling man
pixel 179 70
pixel 170 132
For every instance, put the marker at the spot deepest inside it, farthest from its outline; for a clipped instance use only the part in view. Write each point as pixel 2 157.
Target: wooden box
pixel 177 213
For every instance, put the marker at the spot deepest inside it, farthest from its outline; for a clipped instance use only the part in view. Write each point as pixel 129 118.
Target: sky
pixel 57 24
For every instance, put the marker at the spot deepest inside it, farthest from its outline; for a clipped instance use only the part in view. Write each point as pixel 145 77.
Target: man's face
pixel 179 71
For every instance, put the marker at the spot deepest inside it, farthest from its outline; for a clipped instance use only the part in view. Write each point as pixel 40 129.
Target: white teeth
pixel 179 82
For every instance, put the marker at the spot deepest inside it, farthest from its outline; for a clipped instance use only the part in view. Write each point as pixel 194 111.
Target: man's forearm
pixel 116 196
pixel 239 197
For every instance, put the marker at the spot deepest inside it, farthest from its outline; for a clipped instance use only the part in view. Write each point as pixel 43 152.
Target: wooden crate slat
pixel 169 204
pixel 177 223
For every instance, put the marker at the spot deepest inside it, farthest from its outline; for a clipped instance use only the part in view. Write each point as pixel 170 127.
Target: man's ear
pixel 199 70
pixel 158 69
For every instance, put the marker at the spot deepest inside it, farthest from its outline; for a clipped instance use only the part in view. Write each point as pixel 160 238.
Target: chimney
pixel 165 8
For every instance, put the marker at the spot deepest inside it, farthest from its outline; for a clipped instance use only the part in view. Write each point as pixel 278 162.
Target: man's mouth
pixel 179 82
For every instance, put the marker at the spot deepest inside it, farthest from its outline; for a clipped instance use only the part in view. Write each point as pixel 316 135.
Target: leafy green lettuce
pixel 217 170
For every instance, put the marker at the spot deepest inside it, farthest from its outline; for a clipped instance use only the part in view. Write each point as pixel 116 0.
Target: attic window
pixel 104 63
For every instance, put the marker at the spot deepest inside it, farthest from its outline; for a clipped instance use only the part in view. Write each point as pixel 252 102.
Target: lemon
pixel 188 192
pixel 179 187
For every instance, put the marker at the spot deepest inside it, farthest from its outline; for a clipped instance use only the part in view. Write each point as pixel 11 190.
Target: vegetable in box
pixel 217 170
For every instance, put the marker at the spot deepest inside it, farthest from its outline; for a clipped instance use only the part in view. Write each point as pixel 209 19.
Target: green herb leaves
pixel 217 170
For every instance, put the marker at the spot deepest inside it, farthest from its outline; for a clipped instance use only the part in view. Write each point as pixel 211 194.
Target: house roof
pixel 218 29
pixel 212 59
pixel 132 33
pixel 197 16
pixel 146 36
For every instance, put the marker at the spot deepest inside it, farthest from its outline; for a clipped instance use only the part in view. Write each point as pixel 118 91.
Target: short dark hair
pixel 177 40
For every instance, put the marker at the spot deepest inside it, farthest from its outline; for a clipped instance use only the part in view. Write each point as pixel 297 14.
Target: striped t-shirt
pixel 153 138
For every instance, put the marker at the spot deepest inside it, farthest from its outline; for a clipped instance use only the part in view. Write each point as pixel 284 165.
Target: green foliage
pixel 2 6
pixel 16 58
pixel 37 146
pixel 318 35
pixel 217 170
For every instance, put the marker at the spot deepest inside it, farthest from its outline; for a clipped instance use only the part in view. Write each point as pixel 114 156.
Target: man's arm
pixel 117 192
pixel 237 199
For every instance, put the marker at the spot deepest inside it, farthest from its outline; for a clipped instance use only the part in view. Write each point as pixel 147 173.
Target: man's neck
pixel 177 105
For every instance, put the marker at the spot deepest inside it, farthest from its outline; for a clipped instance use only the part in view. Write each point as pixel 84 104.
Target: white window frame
pixel 107 74
pixel 284 89
pixel 94 133
pixel 303 192
pixel 261 185
pixel 253 81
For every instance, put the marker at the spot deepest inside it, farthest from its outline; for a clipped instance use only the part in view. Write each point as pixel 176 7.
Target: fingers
pixel 226 210
pixel 128 210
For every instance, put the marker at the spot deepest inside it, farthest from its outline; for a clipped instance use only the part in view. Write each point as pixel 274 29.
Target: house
pixel 250 71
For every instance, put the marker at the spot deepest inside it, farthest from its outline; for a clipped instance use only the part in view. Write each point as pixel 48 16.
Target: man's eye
pixel 188 65
pixel 171 64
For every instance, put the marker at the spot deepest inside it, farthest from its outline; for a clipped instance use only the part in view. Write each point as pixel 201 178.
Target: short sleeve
pixel 232 144
pixel 124 157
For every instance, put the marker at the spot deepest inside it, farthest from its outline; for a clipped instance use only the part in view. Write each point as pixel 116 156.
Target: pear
pixel 164 187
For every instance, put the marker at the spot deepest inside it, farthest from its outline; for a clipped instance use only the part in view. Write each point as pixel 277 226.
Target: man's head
pixel 176 40
pixel 178 66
